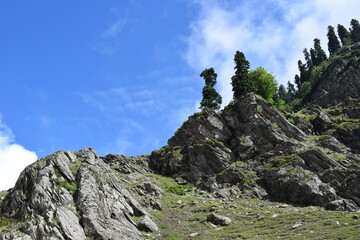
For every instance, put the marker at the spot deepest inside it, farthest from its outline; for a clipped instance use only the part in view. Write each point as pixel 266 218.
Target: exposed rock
pixel 202 126
pixel 218 219
pixel 322 123
pixel 299 186
pixel 51 201
pixel 147 225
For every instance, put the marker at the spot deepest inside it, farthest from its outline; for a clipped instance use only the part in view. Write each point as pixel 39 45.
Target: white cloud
pixel 13 158
pixel 271 33
pixel 114 29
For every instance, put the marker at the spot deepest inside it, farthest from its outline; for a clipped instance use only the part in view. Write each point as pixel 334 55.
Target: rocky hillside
pixel 194 187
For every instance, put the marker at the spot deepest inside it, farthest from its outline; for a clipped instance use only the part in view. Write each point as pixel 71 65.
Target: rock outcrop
pixel 72 195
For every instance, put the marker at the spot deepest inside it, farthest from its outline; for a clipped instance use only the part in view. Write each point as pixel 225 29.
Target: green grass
pixel 321 138
pixel 169 185
pixel 259 108
pixel 70 187
pixel 74 166
pixel 277 223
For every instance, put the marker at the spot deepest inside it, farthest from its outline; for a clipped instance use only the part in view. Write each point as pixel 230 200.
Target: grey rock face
pixel 342 79
pixel 322 123
pixel 71 196
pixel 203 126
pixel 299 186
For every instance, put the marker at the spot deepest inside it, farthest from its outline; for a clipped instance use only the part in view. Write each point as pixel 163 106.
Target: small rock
pixel 179 202
pixel 194 234
pixel 296 225
pixel 282 206
pixel 193 203
pixel 147 224
pixel 260 217
pixel 275 215
pixel 336 223
pixel 218 219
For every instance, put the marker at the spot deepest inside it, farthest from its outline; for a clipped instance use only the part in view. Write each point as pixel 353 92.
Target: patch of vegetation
pixel 279 162
pixel 259 108
pixel 70 187
pixel 273 124
pixel 212 142
pixel 292 121
pixel 350 125
pixel 251 219
pixel 4 222
pixel 169 185
pixel 305 117
pixel 321 138
pixel 74 166
pixel 179 189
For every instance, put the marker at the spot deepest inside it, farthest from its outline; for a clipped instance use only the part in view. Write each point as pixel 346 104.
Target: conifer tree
pixel 211 98
pixel 303 74
pixel 307 59
pixel 240 82
pixel 355 30
pixel 283 94
pixel 320 53
pixel 317 54
pixel 333 43
pixel 344 35
pixel 291 91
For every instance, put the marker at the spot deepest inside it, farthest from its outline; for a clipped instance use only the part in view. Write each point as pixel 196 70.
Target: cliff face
pixel 248 150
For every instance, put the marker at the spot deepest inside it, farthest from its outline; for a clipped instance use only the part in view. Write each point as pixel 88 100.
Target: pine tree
pixel 283 94
pixel 307 57
pixel 344 35
pixel 241 84
pixel 211 98
pixel 317 54
pixel 291 91
pixel 333 44
pixel 320 53
pixel 355 30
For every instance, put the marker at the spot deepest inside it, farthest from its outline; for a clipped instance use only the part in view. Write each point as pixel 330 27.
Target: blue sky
pixel 122 76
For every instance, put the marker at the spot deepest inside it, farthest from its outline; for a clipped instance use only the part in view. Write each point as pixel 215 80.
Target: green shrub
pixel 70 187
pixel 179 189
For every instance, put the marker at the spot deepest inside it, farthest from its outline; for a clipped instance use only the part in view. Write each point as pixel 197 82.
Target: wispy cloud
pixel 114 29
pixel 271 33
pixel 13 157
pixel 108 41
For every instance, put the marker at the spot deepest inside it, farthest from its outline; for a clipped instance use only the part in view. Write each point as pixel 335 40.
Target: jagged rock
pixel 294 184
pixel 333 144
pixel 341 78
pixel 202 126
pixel 350 137
pixel 318 161
pixel 208 158
pixel 147 225
pixel 51 201
pixel 342 205
pixel 218 219
pixel 322 123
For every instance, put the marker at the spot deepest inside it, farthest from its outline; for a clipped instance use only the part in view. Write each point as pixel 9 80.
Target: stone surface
pixel 72 196
pixel 218 219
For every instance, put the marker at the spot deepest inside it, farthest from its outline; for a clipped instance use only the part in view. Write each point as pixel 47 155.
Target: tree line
pixel 263 83
pixel 243 81
pixel 316 61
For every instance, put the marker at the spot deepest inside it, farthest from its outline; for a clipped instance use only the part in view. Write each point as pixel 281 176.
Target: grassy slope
pixel 251 218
